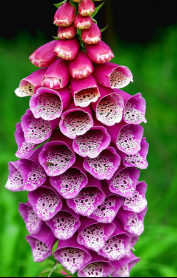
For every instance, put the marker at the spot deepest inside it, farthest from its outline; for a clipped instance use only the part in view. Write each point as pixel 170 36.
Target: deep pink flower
pixel 91 35
pixel 65 14
pixel 44 55
pixel 67 32
pixel 29 84
pixel 82 22
pixel 57 75
pixel 99 53
pixel 81 66
pixel 86 7
pixel 67 49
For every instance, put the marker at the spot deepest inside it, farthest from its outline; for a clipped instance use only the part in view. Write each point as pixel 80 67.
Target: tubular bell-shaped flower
pixel 81 66
pixel 99 53
pixel 27 85
pixel 67 49
pixel 57 75
pixel 113 76
pixel 44 55
pixel 49 104
pixel 91 35
pixel 82 22
pixel 67 32
pixel 65 15
pixel 86 7
pixel 84 91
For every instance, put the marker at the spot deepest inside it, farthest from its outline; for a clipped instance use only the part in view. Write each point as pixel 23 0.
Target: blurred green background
pixel 154 65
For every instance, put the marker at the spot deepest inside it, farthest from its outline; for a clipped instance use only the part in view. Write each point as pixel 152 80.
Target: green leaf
pixel 97 9
pixel 102 30
pixel 73 4
pixel 59 4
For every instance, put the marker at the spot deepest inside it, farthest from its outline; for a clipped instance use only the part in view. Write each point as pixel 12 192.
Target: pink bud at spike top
pixel 91 35
pixel 67 49
pixel 64 15
pixel 44 55
pixel 82 22
pixel 81 66
pixel 86 7
pixel 81 147
pixel 66 33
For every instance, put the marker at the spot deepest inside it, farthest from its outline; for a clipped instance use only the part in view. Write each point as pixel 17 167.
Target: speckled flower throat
pixel 80 150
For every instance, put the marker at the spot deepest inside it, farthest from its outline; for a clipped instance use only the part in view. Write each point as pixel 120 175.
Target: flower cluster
pixel 80 150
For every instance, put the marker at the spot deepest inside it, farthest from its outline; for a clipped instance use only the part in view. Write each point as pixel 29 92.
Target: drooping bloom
pixel 81 147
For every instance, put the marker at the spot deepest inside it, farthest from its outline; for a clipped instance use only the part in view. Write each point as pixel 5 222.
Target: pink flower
pixel 82 22
pixel 86 7
pixel 99 53
pixel 91 35
pixel 81 66
pixel 67 32
pixel 67 49
pixel 65 15
pixel 44 55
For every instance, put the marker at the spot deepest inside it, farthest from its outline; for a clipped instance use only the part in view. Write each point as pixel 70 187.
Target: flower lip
pixel 32 173
pixel 33 223
pixel 24 148
pixel 97 266
pixel 89 198
pixel 104 166
pixel 84 91
pixel 92 143
pixel 45 202
pixel 15 180
pixel 76 121
pixel 93 235
pixel 123 266
pixel 64 224
pixel 36 131
pixel 56 158
pixel 72 255
pixel 109 107
pixel 138 160
pixel 71 182
pixel 49 104
pixel 124 182
pixel 42 243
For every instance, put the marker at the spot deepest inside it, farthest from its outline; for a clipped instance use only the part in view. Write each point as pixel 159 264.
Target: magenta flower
pixel 81 66
pixel 65 15
pixel 67 49
pixel 68 32
pixel 82 22
pixel 29 84
pixel 81 147
pixel 86 7
pixel 57 75
pixel 91 35
pixel 44 55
